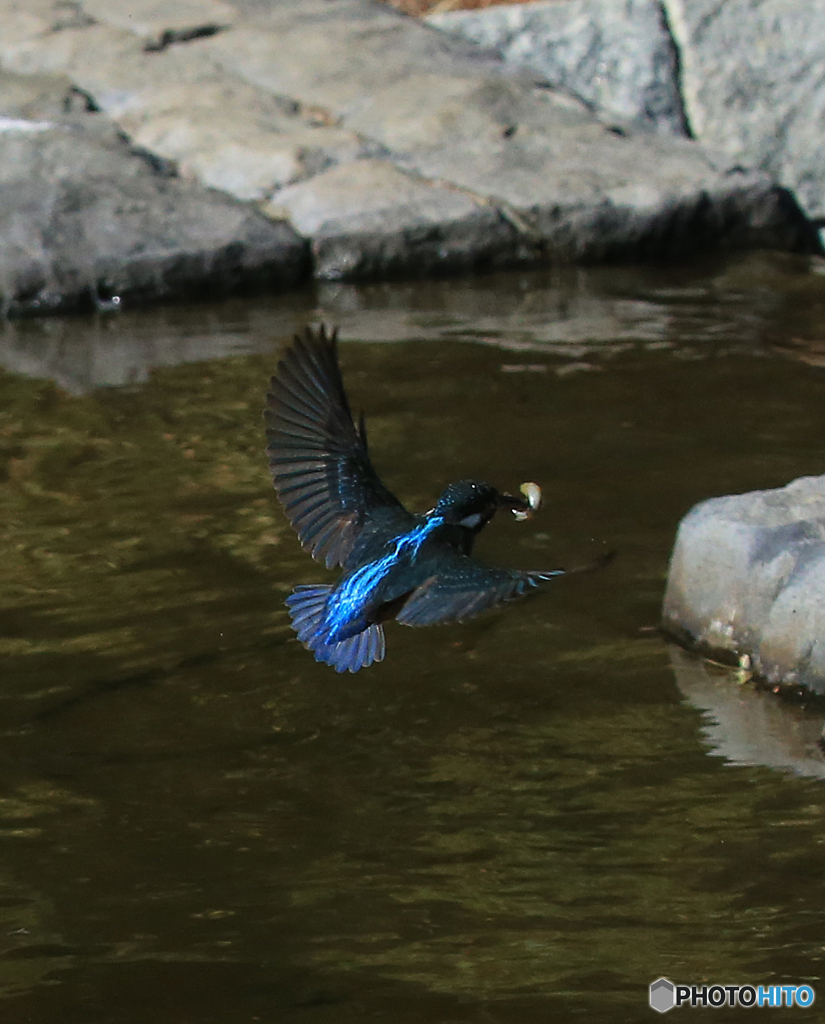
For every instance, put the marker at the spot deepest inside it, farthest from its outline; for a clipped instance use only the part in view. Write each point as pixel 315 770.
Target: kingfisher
pixel 416 569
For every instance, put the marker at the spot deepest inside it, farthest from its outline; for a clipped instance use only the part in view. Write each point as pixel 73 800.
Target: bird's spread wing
pixel 461 587
pixel 318 456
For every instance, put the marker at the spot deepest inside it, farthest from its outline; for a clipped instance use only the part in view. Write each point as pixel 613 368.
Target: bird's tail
pixel 307 605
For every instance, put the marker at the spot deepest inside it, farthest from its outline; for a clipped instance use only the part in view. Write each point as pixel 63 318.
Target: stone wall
pixel 168 147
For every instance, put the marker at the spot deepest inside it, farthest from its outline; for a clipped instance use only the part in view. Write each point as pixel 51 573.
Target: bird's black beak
pixel 525 505
pixel 513 503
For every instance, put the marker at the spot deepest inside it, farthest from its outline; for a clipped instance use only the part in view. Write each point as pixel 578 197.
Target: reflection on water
pixel 747 726
pixel 516 819
pixel 566 311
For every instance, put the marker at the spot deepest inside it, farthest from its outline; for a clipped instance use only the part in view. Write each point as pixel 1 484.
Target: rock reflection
pixel 566 311
pixel 81 355
pixel 747 726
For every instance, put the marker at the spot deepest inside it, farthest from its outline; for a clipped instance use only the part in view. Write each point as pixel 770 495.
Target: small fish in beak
pixel 522 507
pixel 532 492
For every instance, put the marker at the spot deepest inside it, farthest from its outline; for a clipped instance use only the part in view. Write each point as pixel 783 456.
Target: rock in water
pixel 747 577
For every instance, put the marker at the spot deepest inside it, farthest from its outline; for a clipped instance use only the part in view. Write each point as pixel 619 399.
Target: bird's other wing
pixel 461 587
pixel 318 456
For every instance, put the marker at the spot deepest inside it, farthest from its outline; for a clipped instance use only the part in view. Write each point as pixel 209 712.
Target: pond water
pixel 522 819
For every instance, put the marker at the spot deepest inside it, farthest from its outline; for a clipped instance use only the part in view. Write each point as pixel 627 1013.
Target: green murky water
pixel 518 820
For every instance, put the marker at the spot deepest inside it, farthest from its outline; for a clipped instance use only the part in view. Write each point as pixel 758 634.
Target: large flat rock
pixel 389 147
pixel 453 114
pixel 747 577
pixel 84 218
pixel 370 219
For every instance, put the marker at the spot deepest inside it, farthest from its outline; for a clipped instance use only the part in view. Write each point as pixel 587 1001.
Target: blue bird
pixel 417 569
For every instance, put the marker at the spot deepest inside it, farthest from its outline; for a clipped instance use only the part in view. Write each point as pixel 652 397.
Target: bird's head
pixel 472 505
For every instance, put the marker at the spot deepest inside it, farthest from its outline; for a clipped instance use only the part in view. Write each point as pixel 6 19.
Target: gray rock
pixel 570 187
pixel 747 577
pixel 84 218
pixel 369 219
pixel 212 125
pixel 751 75
pixel 247 146
pixel 39 97
pixel 159 23
pixel 573 188
pixel 616 55
pixel 305 107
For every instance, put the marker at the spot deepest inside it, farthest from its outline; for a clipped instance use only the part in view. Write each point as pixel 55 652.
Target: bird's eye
pixel 471 521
